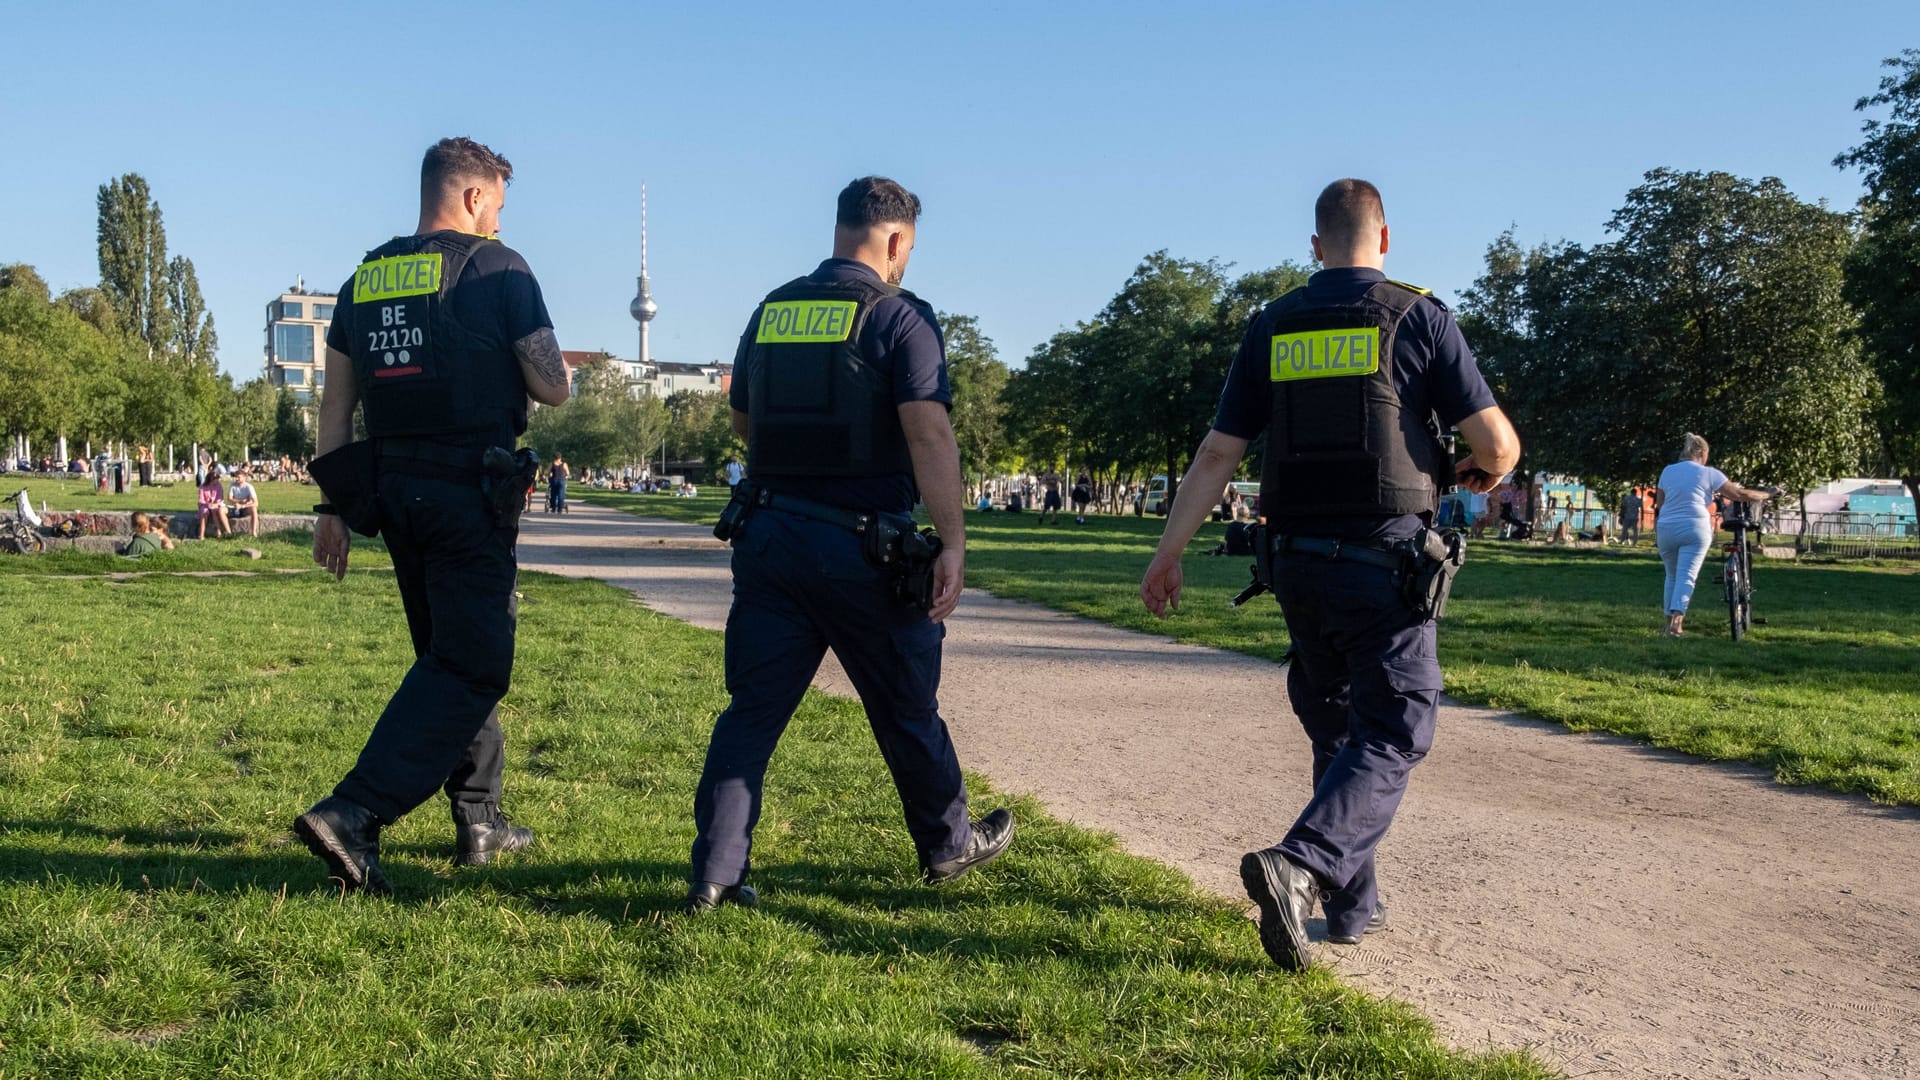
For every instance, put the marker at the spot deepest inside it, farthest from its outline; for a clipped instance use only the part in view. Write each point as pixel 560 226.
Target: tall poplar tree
pixel 193 338
pixel 133 260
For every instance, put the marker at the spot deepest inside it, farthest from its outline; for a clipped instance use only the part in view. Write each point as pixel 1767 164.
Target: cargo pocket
pixel 1399 700
pixel 916 645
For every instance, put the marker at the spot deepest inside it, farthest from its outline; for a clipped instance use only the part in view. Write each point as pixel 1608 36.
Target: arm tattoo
pixel 540 351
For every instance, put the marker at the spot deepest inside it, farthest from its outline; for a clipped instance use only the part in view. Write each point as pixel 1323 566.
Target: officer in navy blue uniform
pixel 1351 377
pixel 840 389
pixel 440 337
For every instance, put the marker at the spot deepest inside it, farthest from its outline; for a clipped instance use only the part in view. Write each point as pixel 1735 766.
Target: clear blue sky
pixel 1053 144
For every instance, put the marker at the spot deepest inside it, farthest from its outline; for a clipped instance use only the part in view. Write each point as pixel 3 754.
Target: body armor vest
pixel 1339 443
pixel 817 405
pixel 420 371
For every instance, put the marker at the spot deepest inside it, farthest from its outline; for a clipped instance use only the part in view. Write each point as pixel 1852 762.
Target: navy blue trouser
pixel 801 587
pixel 442 728
pixel 1365 682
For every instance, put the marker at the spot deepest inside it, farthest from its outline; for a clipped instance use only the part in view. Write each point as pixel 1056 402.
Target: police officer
pixel 1344 375
pixel 441 337
pixel 840 389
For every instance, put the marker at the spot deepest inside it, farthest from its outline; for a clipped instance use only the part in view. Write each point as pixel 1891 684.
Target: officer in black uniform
pixel 1348 376
pixel 441 337
pixel 840 389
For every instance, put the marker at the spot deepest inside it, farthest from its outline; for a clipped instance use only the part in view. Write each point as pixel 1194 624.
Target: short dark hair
pixel 1345 209
pixel 876 200
pixel 456 159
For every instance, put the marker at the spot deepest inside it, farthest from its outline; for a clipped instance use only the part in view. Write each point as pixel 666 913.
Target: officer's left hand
pixel 1160 588
pixel 949 574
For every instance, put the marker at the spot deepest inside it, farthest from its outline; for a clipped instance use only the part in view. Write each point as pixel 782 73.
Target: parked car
pixel 1154 499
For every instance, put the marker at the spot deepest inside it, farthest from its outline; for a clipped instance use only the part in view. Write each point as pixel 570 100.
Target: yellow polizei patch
pixel 785 322
pixel 396 277
pixel 1326 354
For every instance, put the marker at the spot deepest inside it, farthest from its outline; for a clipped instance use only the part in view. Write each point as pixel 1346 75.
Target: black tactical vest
pixel 1339 443
pixel 818 406
pixel 421 372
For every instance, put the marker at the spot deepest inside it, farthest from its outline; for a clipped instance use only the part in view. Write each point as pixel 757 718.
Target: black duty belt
pixel 434 460
pixel 1359 551
pixel 852 520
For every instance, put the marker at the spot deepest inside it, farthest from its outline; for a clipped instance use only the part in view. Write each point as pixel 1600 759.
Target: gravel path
pixel 1621 910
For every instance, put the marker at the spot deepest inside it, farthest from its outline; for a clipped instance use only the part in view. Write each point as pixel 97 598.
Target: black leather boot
pixel 991 836
pixel 476 844
pixel 346 836
pixel 704 896
pixel 1286 894
pixel 1374 925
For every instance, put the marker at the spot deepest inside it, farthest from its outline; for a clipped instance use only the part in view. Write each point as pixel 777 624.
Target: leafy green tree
pixel 1883 270
pixel 604 426
pixel 978 379
pixel 133 259
pixel 292 436
pixel 20 277
pixel 1137 387
pixel 247 421
pixel 193 338
pixel 94 307
pixel 1716 309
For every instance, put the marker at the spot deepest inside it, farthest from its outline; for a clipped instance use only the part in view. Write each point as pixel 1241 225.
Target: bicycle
pixel 20 532
pixel 1738 575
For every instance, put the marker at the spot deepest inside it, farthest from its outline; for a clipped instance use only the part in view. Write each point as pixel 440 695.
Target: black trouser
pixel 801 587
pixel 146 474
pixel 442 728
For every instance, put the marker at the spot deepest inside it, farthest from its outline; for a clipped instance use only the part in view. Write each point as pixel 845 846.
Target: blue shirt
pixel 1433 370
pixel 901 336
pixel 1686 491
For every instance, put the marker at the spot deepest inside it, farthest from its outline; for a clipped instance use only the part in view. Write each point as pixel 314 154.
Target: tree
pixel 247 420
pixel 978 379
pixel 94 308
pixel 20 277
pixel 291 434
pixel 605 425
pixel 194 341
pixel 1717 309
pixel 1138 385
pixel 133 259
pixel 1883 270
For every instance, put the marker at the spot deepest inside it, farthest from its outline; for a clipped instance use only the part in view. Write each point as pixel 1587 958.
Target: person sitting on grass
pixel 147 537
pixel 213 505
pixel 246 501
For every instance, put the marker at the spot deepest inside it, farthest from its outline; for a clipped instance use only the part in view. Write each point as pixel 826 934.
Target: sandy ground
pixel 1622 911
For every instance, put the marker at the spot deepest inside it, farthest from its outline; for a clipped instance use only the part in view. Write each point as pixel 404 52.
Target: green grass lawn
pixel 157 920
pixel 80 494
pixel 291 549
pixel 1828 692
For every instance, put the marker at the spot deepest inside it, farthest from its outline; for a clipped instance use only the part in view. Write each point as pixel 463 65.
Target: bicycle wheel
pixel 1746 601
pixel 1732 578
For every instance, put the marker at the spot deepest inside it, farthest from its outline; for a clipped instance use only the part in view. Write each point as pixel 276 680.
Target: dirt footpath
pixel 1623 911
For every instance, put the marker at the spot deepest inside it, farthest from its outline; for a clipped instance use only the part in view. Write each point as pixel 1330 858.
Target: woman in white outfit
pixel 1685 526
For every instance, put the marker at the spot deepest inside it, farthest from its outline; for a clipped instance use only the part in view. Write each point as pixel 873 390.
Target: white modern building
pixel 297 322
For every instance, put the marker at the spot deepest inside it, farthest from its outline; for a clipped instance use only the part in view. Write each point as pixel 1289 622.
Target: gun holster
pixel 505 476
pixel 349 480
pixel 907 555
pixel 1262 568
pixel 733 516
pixel 1432 564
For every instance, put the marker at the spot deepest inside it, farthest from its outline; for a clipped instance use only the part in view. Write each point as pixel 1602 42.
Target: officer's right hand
pixel 331 541
pixel 1160 588
pixel 949 574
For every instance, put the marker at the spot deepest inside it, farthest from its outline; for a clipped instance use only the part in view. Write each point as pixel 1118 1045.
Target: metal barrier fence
pixel 1856 535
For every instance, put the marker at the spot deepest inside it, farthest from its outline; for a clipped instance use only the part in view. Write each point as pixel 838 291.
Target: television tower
pixel 643 309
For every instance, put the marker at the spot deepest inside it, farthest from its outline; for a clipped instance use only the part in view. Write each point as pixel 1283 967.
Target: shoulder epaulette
pixel 1411 288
